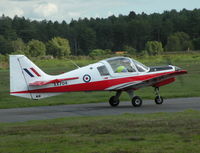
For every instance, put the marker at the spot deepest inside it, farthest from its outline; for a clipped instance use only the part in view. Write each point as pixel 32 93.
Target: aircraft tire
pixel 137 101
pixel 159 100
pixel 113 102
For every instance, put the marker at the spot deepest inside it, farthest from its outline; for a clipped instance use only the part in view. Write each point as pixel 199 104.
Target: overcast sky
pixel 67 9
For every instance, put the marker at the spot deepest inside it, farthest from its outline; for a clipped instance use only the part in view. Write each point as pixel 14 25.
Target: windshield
pixel 141 67
pixel 121 64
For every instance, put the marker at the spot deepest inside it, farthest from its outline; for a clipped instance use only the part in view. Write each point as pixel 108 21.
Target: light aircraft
pixel 113 74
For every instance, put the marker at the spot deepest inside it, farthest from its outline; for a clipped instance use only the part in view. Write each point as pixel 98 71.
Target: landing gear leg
pixel 158 98
pixel 114 100
pixel 136 100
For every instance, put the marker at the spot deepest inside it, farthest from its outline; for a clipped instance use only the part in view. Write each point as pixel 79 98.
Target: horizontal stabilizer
pixel 41 83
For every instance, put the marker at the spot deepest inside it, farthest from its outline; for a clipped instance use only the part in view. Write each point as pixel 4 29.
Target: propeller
pixel 180 78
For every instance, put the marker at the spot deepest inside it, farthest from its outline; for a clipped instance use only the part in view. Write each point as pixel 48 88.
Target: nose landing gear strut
pixel 158 98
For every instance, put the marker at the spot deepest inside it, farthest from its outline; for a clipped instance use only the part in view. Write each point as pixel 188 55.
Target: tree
pixel 5 46
pixel 111 33
pixel 86 39
pixel 36 48
pixel 100 52
pixel 196 43
pixel 119 35
pixel 173 43
pixel 25 29
pixel 132 15
pixel 154 47
pixel 6 29
pixel 18 46
pixel 58 47
pixel 130 50
pixel 179 41
pixel 104 36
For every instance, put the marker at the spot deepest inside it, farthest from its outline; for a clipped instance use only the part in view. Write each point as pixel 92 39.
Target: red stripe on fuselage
pixel 34 71
pixel 98 85
pixel 41 83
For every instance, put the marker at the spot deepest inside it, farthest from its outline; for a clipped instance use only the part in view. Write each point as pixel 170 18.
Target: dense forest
pixel 174 30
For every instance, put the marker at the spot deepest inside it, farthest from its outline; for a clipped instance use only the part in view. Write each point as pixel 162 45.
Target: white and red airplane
pixel 113 74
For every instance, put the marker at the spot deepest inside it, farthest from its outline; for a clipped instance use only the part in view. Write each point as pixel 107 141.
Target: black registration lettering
pixel 63 83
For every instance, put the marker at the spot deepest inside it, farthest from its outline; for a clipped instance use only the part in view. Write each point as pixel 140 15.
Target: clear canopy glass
pixel 126 65
pixel 140 67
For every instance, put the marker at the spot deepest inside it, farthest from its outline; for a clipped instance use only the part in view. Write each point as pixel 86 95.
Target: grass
pixel 127 133
pixel 185 86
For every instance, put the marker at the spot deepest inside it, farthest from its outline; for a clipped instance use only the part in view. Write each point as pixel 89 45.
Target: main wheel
pixel 113 102
pixel 136 101
pixel 159 100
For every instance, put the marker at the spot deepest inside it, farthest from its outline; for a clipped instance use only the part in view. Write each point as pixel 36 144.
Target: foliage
pixel 58 47
pixel 196 43
pixel 154 47
pixel 99 52
pixel 85 39
pixel 178 42
pixel 130 50
pixel 2 57
pixel 3 61
pixel 36 48
pixel 144 53
pixel 19 52
pixel 6 28
pixel 5 46
pixel 112 33
pixel 19 47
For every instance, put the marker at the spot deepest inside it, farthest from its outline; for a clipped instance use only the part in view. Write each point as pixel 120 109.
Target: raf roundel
pixel 86 78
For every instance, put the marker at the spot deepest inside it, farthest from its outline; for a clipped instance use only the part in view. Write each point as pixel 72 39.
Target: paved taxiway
pixel 51 112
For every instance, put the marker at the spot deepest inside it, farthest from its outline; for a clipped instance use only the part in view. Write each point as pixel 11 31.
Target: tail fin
pixel 22 72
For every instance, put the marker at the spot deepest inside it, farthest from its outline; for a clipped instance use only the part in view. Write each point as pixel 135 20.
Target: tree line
pixel 134 33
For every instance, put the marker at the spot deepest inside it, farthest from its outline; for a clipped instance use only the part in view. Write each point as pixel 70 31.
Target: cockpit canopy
pixel 125 64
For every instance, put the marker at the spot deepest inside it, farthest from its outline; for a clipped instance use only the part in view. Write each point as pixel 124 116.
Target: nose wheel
pixel 158 99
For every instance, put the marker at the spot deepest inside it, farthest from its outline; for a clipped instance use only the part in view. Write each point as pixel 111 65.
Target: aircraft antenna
pixel 74 64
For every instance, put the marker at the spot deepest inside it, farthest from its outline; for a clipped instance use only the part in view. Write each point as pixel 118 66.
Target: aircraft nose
pixel 177 68
pixel 180 70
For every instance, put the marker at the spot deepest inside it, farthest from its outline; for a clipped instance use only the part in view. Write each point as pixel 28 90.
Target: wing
pixel 157 81
pixel 41 83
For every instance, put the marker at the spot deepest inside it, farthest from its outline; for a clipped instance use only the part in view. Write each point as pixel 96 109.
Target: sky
pixel 59 10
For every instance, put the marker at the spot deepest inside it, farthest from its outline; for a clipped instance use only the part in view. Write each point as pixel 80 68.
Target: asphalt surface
pixel 97 109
